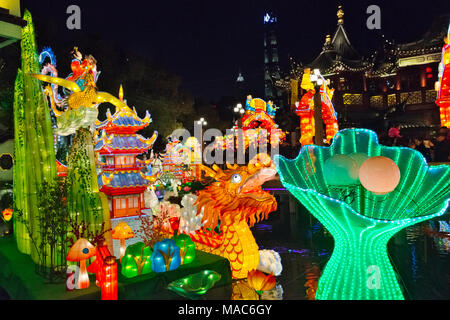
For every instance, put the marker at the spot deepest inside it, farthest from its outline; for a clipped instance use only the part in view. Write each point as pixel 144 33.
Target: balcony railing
pixel 128 166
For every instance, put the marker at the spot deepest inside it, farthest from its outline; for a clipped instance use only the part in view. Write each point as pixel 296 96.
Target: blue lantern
pixel 165 256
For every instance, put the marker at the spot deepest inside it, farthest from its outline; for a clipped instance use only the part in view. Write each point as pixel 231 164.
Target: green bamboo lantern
pixel 362 221
pixel 34 160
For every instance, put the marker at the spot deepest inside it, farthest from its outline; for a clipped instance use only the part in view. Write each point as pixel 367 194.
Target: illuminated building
pixel 118 144
pixel 394 84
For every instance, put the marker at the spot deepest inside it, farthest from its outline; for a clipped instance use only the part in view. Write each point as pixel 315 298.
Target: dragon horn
pixel 232 166
pixel 219 172
pixel 208 171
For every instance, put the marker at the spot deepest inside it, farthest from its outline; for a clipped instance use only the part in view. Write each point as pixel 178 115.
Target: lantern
pixel 121 232
pixel 81 251
pixel 187 248
pixel 340 170
pixel 165 256
pixel 379 175
pixel 136 260
pixel 261 281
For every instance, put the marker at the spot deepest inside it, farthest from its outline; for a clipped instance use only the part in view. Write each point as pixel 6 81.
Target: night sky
pixel 207 41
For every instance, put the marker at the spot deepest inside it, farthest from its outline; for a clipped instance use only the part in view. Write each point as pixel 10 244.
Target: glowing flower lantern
pixel 121 232
pixel 7 214
pixel 359 267
pixel 81 251
pixel 165 256
pixel 261 281
pixel 379 175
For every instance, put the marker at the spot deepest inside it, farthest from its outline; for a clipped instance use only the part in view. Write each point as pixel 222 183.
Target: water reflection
pixel 242 291
pixel 420 254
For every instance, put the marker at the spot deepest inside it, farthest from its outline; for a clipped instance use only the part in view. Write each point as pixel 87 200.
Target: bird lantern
pixel 121 232
pixel 81 251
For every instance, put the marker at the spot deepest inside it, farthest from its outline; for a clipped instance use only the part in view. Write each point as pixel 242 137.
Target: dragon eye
pixel 236 178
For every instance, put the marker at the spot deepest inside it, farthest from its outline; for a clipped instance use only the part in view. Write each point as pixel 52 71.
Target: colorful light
pixel 361 222
pixel 165 256
pixel 195 285
pixel 443 85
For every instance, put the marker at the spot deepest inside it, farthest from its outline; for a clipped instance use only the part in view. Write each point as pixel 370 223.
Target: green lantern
pixel 136 260
pixel 194 286
pixel 362 221
pixel 187 248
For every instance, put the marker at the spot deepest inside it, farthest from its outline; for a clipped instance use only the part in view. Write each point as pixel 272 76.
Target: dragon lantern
pixel 236 201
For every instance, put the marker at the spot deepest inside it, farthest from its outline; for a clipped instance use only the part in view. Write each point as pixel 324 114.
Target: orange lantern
pixel 7 214
pixel 81 251
pixel 261 281
pixel 379 175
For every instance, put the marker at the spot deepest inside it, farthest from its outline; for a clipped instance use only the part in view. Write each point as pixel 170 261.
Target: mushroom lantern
pixel 81 251
pixel 121 232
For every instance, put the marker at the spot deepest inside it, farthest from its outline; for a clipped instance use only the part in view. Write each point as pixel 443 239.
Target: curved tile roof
pixel 124 179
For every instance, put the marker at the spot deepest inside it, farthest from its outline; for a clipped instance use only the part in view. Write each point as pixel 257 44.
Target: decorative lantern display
pixel 195 285
pixel 165 256
pixel 362 227
pixel 187 248
pixel 190 221
pixel 305 110
pixel 379 175
pixel 105 268
pixel 121 232
pixel 237 201
pixel 261 281
pixel 136 260
pixel 81 251
pixel 109 283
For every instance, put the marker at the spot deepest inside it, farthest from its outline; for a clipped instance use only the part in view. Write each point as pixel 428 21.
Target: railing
pixel 128 166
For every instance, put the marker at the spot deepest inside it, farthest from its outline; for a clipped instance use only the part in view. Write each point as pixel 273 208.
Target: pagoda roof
pixel 123 143
pixel 122 180
pixel 124 120
pixel 338 54
pixel 431 42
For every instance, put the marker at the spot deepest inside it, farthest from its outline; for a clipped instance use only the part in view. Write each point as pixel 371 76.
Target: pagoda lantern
pixel 118 144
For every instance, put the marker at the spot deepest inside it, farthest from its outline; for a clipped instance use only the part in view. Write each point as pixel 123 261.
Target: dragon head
pixel 237 194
